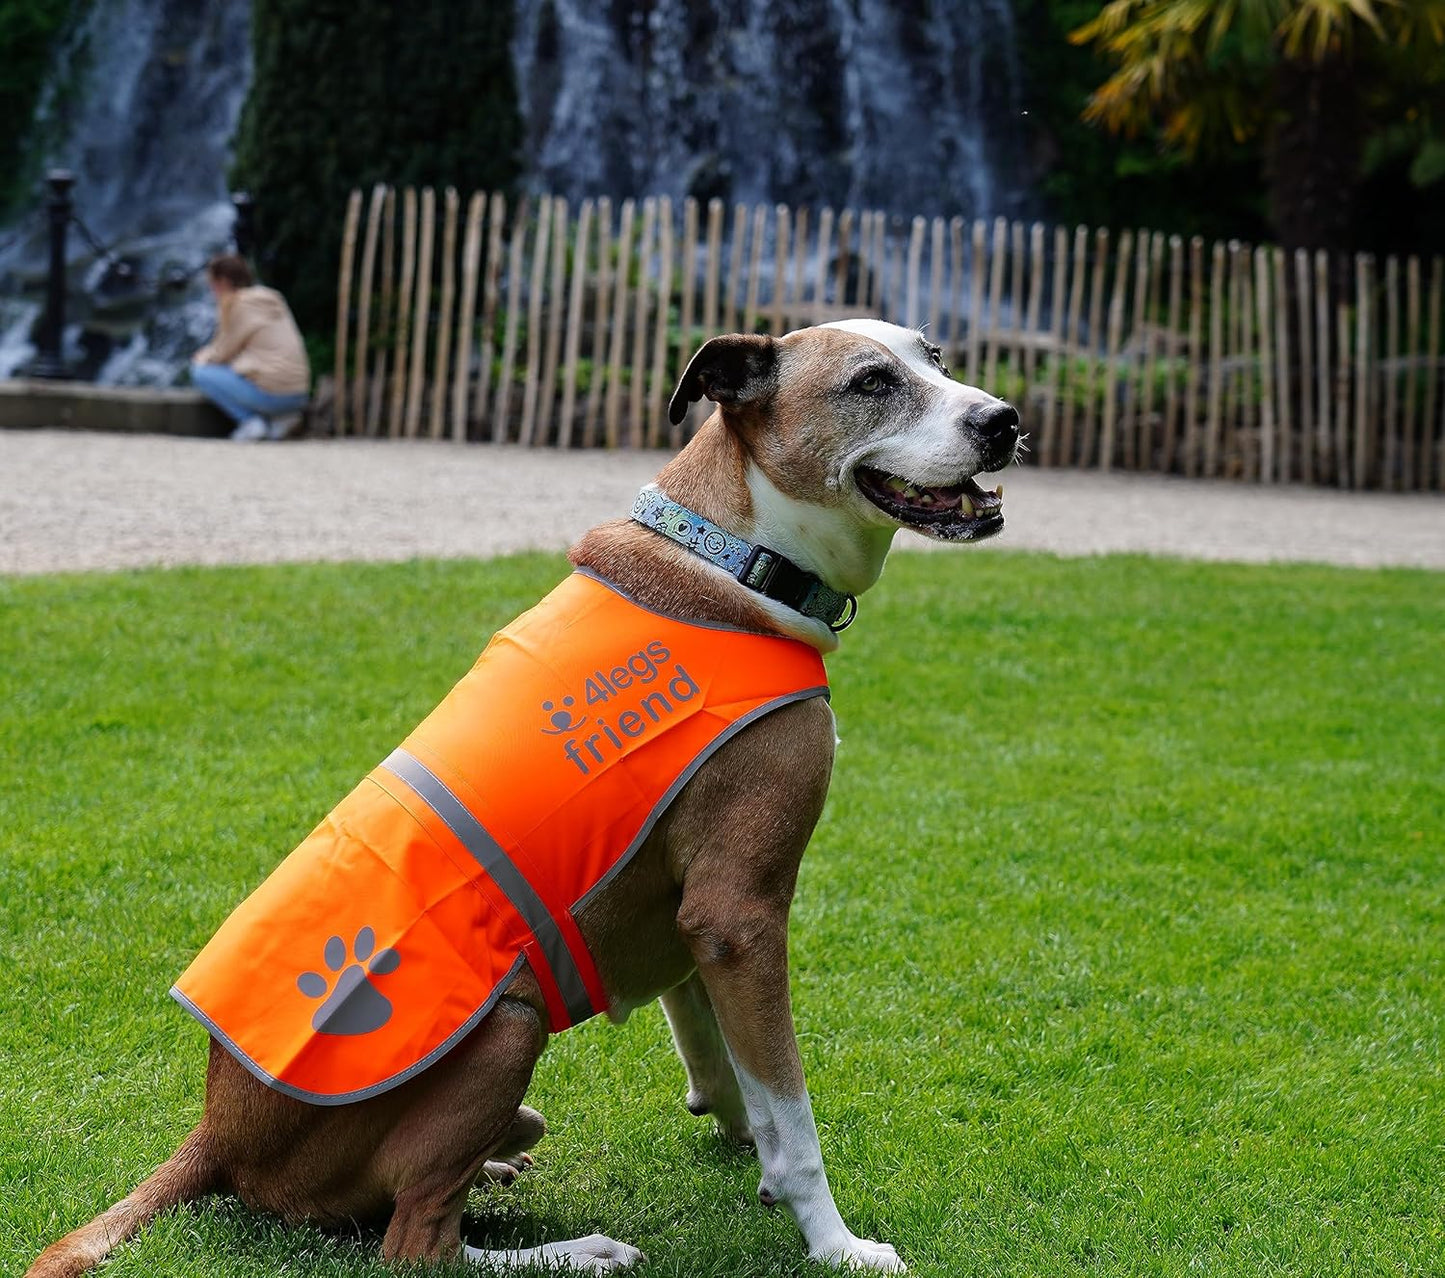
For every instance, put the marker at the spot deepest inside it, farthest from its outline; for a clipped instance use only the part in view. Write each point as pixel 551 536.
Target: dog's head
pixel 861 417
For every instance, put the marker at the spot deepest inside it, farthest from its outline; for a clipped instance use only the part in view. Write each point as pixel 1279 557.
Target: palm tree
pixel 1313 79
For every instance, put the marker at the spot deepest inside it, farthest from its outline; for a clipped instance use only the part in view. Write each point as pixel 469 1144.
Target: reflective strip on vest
pixel 378 944
pixel 561 966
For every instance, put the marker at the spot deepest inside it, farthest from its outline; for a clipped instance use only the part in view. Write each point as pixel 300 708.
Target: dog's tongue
pixel 936 498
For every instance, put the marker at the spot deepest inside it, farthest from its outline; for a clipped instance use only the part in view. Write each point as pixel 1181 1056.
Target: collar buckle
pixel 758 572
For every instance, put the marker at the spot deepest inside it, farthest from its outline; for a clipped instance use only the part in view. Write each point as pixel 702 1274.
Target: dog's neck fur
pixel 715 477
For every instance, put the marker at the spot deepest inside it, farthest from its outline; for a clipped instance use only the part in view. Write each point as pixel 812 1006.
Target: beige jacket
pixel 257 336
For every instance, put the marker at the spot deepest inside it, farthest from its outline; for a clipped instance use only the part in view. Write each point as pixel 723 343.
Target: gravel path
pixel 76 501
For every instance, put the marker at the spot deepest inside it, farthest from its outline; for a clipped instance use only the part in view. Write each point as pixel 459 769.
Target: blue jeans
pixel 239 397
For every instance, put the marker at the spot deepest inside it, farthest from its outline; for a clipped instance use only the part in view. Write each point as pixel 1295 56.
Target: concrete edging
pixel 28 403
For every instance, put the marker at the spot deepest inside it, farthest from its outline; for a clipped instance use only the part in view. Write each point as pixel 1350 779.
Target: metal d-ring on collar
pixel 772 575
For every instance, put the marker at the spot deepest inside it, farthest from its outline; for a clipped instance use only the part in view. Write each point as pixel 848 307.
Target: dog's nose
pixel 997 428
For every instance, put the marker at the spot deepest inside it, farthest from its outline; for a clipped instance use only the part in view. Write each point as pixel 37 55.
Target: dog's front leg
pixel 742 956
pixel 712 1086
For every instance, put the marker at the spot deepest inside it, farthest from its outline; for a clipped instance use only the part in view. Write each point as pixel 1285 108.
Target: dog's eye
pixel 935 353
pixel 869 384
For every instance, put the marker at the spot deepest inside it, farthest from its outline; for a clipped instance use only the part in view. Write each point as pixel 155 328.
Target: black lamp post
pixel 47 361
pixel 244 232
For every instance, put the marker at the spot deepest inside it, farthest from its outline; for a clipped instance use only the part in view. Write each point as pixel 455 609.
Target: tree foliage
pixel 346 94
pixel 1084 174
pixel 1332 90
pixel 29 30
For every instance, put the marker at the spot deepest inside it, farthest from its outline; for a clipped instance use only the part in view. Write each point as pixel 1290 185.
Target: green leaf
pixel 1428 166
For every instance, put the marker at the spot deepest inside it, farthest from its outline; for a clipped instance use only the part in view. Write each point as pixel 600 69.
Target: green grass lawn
pixel 1120 948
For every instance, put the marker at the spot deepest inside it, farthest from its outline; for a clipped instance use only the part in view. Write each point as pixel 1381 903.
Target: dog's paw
pixel 595 1254
pixel 503 1171
pixel 865 1255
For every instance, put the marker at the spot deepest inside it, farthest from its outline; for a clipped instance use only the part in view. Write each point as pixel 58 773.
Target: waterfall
pixel 145 96
pixel 906 105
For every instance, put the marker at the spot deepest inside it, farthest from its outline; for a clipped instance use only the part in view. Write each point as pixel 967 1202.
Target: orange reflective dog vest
pixel 392 929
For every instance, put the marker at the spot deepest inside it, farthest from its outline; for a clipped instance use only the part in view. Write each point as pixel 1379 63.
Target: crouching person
pixel 255 368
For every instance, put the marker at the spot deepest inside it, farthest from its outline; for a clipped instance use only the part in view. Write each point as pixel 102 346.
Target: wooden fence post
pixel 556 292
pixel 1304 319
pixel 1217 307
pixel 1284 416
pixel 1054 360
pixel 1076 376
pixel 421 316
pixel 995 302
pixel 689 288
pixel 1014 346
pixel 1195 356
pixel 1389 460
pixel 1149 366
pixel 657 398
pixel 1111 356
pixel 1324 391
pixel 1432 441
pixel 935 281
pixel 710 322
pixel 915 260
pixel 637 385
pixel 735 267
pixel 1171 354
pixel 343 305
pixel 619 324
pixel 755 257
pixel 502 402
pixel 800 266
pixel 865 262
pixel 1029 348
pixel 1133 361
pixel 1263 302
pixel 976 263
pixel 376 397
pixel 402 345
pixel 531 372
pixel 780 271
pixel 359 396
pixel 599 326
pixel 955 288
pixel 466 342
pixel 1408 431
pixel 572 344
pixel 444 320
pixel 1364 366
pixel 491 289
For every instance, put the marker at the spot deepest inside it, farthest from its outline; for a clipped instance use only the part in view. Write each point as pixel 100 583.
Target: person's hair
pixel 232 268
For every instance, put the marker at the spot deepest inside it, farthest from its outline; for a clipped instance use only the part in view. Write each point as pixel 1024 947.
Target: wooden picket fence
pixel 540 326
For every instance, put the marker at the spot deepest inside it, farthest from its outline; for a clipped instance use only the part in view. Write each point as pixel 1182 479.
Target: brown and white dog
pixel 825 443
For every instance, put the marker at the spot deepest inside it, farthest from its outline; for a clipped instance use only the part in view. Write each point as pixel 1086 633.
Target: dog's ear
pixel 728 370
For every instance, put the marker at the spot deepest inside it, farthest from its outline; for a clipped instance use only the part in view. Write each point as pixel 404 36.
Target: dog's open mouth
pixel 954 512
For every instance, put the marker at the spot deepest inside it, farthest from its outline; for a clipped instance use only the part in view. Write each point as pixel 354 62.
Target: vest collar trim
pixel 770 574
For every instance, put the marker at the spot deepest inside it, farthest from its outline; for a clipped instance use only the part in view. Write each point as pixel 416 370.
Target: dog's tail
pixel 189 1173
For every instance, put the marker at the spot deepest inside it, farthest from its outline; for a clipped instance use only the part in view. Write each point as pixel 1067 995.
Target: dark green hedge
pixel 28 32
pixel 350 93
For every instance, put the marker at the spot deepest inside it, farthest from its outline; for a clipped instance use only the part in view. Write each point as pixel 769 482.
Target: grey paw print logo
pixel 356 1006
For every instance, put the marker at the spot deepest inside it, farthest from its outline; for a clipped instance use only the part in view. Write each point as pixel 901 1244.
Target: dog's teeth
pixel 998 492
pixel 898 485
pixel 965 507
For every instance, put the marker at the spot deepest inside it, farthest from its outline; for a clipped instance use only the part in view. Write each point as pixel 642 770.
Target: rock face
pixel 145 97
pixel 906 105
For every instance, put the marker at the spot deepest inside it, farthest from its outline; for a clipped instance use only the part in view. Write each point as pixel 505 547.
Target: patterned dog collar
pixel 772 575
